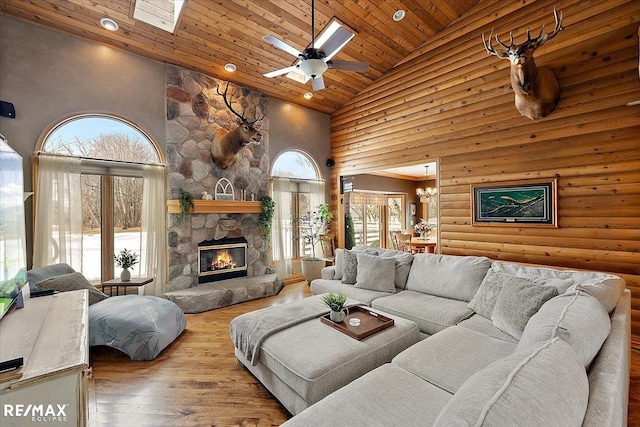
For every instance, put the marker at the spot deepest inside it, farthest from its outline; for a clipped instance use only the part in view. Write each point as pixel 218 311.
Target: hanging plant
pixel 265 219
pixel 186 204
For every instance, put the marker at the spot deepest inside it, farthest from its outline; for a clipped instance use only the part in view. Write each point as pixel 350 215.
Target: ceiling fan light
pixel 313 67
pixel 109 24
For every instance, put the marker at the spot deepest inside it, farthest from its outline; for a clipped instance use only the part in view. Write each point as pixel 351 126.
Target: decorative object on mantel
pixel 227 144
pixel 126 259
pixel 206 196
pixel 186 204
pixel 426 194
pixel 265 219
pixel 531 203
pixel 536 88
pixel 423 228
pixel 224 190
pixel 336 303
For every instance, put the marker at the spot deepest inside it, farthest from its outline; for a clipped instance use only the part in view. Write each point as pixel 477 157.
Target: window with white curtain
pixel 103 177
pixel 297 189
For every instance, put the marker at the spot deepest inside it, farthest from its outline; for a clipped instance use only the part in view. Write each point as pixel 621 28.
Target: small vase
pixel 336 316
pixel 125 275
pixel 423 235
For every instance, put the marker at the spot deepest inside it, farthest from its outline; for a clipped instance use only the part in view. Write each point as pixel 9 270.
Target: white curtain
pixel 316 197
pixel 58 224
pixel 281 235
pixel 153 250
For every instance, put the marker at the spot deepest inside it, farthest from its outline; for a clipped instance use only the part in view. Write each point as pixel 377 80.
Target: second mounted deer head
pixel 536 88
pixel 227 144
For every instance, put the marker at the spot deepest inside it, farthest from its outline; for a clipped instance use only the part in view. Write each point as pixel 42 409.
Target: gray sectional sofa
pixel 504 344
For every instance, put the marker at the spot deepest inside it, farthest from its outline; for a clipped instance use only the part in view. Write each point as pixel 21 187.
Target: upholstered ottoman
pixel 305 362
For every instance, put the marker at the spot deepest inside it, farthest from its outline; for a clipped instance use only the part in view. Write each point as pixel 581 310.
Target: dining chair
pixel 404 242
pixel 394 240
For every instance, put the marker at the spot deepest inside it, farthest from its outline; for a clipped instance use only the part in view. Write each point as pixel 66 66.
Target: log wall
pixel 452 102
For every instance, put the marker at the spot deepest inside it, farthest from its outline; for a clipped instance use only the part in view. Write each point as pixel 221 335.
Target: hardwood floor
pixel 197 380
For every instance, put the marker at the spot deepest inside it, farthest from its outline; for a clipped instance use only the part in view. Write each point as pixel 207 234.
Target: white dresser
pixel 51 334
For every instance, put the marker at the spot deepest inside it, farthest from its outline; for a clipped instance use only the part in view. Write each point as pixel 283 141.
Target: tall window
pixel 374 215
pixel 297 189
pixel 112 152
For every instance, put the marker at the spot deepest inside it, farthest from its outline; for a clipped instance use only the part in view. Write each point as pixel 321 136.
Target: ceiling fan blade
pixel 317 83
pixel 282 45
pixel 280 72
pixel 336 42
pixel 360 67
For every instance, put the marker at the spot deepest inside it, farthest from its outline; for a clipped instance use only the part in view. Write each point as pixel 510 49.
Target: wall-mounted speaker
pixel 330 162
pixel 7 110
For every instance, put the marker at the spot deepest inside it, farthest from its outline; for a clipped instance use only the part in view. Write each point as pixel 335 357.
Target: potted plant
pixel 126 259
pixel 349 232
pixel 310 226
pixel 326 237
pixel 336 303
pixel 265 219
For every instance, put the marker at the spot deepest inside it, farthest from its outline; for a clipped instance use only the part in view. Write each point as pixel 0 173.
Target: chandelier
pixel 427 194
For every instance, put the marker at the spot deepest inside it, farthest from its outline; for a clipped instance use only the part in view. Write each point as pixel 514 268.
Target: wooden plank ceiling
pixel 211 33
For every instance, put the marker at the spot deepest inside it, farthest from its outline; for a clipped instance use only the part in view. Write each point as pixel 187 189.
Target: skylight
pixel 162 14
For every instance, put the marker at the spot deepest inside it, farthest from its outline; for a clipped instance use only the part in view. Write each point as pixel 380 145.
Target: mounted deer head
pixel 227 143
pixel 536 88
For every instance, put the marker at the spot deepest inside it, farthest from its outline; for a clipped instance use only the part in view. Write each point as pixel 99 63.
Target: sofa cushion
pixel 606 291
pixel 578 319
pixel 431 313
pixel 38 274
pixel 376 273
pixel 605 287
pixel 540 385
pixel 403 266
pixel 516 304
pixel 321 286
pixel 485 326
pixel 447 276
pixel 349 267
pixel 386 396
pixel 448 358
pixel 72 282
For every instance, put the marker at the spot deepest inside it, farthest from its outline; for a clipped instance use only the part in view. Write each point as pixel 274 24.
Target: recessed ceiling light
pixel 109 24
pixel 399 15
pixel 308 95
pixel 230 67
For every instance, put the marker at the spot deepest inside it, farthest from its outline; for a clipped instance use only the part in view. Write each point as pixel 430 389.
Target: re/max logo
pixel 49 411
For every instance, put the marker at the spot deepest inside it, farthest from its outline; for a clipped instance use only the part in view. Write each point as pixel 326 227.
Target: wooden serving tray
pixel 370 323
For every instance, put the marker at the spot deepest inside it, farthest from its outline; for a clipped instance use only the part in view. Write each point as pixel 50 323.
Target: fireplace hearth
pixel 222 259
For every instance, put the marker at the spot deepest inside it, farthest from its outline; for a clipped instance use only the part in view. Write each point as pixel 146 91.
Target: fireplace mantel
pixel 217 206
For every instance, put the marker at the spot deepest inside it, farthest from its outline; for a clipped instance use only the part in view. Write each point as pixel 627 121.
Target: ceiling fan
pixel 313 61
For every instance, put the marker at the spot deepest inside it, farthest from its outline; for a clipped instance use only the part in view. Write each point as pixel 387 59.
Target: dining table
pixel 420 245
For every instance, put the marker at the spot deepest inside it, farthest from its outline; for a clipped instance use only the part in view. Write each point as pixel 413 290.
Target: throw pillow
pixel 350 267
pixel 72 282
pixel 40 273
pixel 376 273
pixel 337 275
pixel 485 299
pixel 516 303
pixel 403 266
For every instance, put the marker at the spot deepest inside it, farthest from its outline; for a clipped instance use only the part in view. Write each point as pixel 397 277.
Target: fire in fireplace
pixel 222 259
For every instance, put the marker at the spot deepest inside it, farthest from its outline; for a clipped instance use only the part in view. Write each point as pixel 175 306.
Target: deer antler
pixel 544 37
pixel 228 104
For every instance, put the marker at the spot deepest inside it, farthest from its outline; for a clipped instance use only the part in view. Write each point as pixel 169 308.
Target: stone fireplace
pixel 195 112
pixel 222 259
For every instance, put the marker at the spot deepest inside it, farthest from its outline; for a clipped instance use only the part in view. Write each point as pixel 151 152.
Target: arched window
pixel 112 162
pixel 297 190
pixel 295 164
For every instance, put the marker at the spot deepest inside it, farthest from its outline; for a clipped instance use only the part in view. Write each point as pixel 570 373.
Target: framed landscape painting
pixel 522 203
